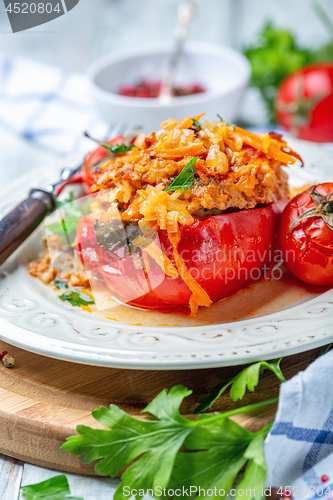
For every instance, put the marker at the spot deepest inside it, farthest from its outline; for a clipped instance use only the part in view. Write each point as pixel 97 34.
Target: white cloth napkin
pixel 299 448
pixel 48 106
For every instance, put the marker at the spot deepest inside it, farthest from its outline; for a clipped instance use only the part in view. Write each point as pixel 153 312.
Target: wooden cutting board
pixel 42 400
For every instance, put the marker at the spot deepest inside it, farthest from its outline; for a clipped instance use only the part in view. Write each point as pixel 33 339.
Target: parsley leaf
pixel 196 124
pixel 72 206
pixel 255 472
pixel 153 444
pixel 247 378
pixel 228 124
pixel 118 148
pixel 77 298
pixel 114 148
pixel 55 488
pixel 217 456
pixel 214 445
pixel 67 225
pixel 61 284
pixel 66 200
pixel 185 179
pixel 70 213
pixel 325 349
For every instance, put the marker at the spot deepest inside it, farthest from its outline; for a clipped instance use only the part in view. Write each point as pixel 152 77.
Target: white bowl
pixel 224 72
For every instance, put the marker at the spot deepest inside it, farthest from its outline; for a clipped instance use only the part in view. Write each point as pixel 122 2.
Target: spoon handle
pixel 185 16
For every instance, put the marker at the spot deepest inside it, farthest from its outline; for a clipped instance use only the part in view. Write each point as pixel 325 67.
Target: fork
pixel 16 226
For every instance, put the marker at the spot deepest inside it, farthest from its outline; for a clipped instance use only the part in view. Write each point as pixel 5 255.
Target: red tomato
pixel 222 253
pixel 304 103
pixel 87 170
pixel 308 250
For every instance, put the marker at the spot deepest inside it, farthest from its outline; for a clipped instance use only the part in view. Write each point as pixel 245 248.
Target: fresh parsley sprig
pixel 56 488
pixel 185 179
pixel 150 449
pixel 246 379
pixel 69 199
pixel 169 451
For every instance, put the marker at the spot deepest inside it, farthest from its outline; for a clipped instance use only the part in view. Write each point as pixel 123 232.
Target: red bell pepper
pixel 222 253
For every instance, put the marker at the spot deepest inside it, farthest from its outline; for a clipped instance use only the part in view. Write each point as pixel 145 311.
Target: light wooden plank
pixel 39 410
pixel 10 478
pixel 88 488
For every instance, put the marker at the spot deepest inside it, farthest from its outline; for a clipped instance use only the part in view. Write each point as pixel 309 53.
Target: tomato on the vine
pixel 304 103
pixel 306 235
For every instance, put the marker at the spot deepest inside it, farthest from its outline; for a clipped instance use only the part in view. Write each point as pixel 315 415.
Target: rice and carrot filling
pixel 234 169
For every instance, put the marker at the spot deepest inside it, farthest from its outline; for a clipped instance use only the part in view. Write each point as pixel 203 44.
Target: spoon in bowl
pixel 185 16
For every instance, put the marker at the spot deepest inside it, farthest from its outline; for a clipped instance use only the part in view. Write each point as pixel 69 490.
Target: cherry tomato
pixel 308 249
pixel 222 253
pixel 304 103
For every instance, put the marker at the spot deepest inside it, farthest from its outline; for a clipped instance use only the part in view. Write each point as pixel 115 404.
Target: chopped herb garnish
pixel 114 148
pixel 196 124
pixel 118 148
pixel 68 225
pixel 247 378
pixel 70 213
pixel 185 179
pixel 61 284
pixel 77 298
pixel 56 488
pixel 228 124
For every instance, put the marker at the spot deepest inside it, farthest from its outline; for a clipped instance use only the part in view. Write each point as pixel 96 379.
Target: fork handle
pixel 20 223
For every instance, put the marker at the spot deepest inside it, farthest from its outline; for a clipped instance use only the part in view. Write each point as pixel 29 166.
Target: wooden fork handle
pixel 20 223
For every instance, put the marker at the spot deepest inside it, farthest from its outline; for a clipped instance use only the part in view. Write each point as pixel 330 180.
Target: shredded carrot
pixel 185 123
pixel 257 142
pixel 198 117
pixel 157 254
pixel 193 305
pixel 200 296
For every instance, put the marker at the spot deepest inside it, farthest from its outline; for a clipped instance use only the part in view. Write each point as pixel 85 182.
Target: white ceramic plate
pixel 31 317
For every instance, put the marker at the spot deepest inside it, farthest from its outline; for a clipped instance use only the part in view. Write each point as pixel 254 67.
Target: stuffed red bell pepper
pixel 183 216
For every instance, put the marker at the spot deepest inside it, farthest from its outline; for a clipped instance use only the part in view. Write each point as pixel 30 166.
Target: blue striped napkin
pixel 299 448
